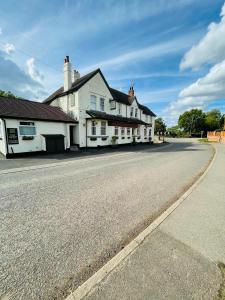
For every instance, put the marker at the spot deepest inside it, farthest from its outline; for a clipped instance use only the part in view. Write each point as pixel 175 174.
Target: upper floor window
pixel 131 111
pixel 112 104
pixel 27 128
pixel 102 104
pixel 103 127
pixel 93 128
pixel 116 130
pixel 93 102
pixel 119 108
pixel 128 131
pixel 122 131
pixel 136 112
pixel 146 118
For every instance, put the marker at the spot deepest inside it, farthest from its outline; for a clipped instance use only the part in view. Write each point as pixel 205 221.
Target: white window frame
pixel 145 132
pixel 128 131
pixel 27 124
pixel 116 130
pixel 93 102
pixel 93 128
pixel 131 111
pixel 103 127
pixel 136 112
pixel 102 104
pixel 122 131
pixel 119 108
pixel 112 104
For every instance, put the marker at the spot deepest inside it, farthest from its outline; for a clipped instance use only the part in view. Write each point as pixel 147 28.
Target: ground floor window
pixel 103 127
pixel 27 128
pixel 122 131
pixel 145 131
pixel 116 130
pixel 128 131
pixel 133 131
pixel 150 132
pixel 93 128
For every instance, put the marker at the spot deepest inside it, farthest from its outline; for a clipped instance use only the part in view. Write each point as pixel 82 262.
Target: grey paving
pixel 179 259
pixel 59 224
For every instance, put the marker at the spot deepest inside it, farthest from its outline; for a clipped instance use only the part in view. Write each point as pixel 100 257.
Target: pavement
pixel 179 259
pixel 60 223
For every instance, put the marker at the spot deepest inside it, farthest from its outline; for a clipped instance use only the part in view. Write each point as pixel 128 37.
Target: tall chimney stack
pixel 67 74
pixel 131 91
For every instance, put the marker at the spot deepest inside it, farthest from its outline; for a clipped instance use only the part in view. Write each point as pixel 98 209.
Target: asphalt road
pixel 59 224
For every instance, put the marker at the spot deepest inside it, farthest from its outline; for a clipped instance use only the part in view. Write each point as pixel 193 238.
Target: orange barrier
pixel 216 136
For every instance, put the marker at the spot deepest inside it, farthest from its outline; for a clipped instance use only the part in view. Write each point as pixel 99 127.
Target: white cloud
pixel 210 49
pixel 33 71
pixel 8 48
pixel 173 46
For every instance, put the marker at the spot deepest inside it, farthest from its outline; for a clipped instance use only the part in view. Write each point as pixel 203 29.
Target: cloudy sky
pixel 173 51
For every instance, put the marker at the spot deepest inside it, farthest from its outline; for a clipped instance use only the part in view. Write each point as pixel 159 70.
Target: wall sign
pixel 12 135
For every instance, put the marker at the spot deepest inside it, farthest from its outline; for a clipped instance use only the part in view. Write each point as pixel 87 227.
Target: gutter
pixel 6 138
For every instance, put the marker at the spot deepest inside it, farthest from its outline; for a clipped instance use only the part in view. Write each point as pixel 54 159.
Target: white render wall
pixel 2 138
pixel 81 98
pixel 38 143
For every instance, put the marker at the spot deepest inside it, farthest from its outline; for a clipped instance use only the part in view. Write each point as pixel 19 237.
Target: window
pixel 133 131
pixel 72 100
pixel 138 131
pixel 103 127
pixel 136 113
pixel 145 131
pixel 122 131
pixel 112 104
pixel 93 102
pixel 116 130
pixel 128 131
pixel 150 132
pixel 102 104
pixel 131 111
pixel 93 128
pixel 27 128
pixel 119 108
pixel 146 118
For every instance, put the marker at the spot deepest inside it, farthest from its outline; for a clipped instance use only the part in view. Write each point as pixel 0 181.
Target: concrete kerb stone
pixel 84 289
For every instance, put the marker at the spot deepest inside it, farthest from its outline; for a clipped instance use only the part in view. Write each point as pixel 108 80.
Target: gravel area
pixel 59 224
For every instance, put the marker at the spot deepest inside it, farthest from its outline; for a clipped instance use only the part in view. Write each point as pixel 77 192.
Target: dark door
pixel 54 143
pixel 71 135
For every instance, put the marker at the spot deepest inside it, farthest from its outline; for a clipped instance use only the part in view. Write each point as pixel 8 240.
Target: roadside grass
pixel 221 292
pixel 203 140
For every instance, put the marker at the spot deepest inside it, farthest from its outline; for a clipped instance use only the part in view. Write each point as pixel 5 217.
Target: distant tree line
pixel 195 122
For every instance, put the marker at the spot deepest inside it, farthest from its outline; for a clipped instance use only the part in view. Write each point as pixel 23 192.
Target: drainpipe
pixel 6 138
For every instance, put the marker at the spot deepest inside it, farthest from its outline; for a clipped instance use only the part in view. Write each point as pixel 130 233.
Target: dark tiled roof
pixel 104 116
pixel 125 99
pixel 75 86
pixel 24 109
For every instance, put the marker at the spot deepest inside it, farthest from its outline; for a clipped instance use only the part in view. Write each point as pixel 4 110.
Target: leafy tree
pixel 213 120
pixel 192 121
pixel 222 122
pixel 7 94
pixel 160 126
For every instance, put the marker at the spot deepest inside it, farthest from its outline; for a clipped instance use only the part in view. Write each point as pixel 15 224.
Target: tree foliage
pixel 7 94
pixel 160 126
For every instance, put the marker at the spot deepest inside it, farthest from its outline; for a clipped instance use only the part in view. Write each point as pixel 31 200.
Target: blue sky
pixel 173 51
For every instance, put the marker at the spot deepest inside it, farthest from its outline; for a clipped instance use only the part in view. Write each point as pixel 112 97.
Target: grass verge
pixel 221 292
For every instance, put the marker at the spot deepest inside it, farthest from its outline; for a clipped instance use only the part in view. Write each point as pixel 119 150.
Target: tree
pixel 192 121
pixel 213 120
pixel 7 94
pixel 160 126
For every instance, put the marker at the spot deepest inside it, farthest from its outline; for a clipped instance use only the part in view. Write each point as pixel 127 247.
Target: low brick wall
pixel 216 136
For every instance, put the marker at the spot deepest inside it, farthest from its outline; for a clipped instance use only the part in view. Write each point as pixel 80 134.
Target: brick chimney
pixel 131 91
pixel 67 69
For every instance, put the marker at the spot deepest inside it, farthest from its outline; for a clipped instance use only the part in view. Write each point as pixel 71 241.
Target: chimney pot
pixel 131 92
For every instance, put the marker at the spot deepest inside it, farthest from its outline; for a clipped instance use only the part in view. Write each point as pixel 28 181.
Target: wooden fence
pixel 216 136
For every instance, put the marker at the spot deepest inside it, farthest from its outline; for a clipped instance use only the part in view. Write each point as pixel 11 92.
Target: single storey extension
pixel 28 126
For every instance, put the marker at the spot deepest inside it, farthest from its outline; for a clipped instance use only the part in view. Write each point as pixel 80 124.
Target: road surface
pixel 59 224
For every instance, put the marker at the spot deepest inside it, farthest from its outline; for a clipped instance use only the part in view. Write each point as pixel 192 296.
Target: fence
pixel 216 136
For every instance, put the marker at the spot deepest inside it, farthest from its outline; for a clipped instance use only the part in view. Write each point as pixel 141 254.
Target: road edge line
pixel 85 288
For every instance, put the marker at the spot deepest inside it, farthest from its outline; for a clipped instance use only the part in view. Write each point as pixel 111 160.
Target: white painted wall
pixel 2 138
pixel 38 143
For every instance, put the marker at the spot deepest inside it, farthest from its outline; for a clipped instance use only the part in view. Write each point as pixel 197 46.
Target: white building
pixel 85 112
pixel 28 126
pixel 105 116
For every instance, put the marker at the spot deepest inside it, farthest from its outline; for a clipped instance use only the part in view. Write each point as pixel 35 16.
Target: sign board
pixel 12 135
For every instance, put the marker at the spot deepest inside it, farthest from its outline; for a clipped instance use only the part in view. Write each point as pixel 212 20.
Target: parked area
pixel 63 222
